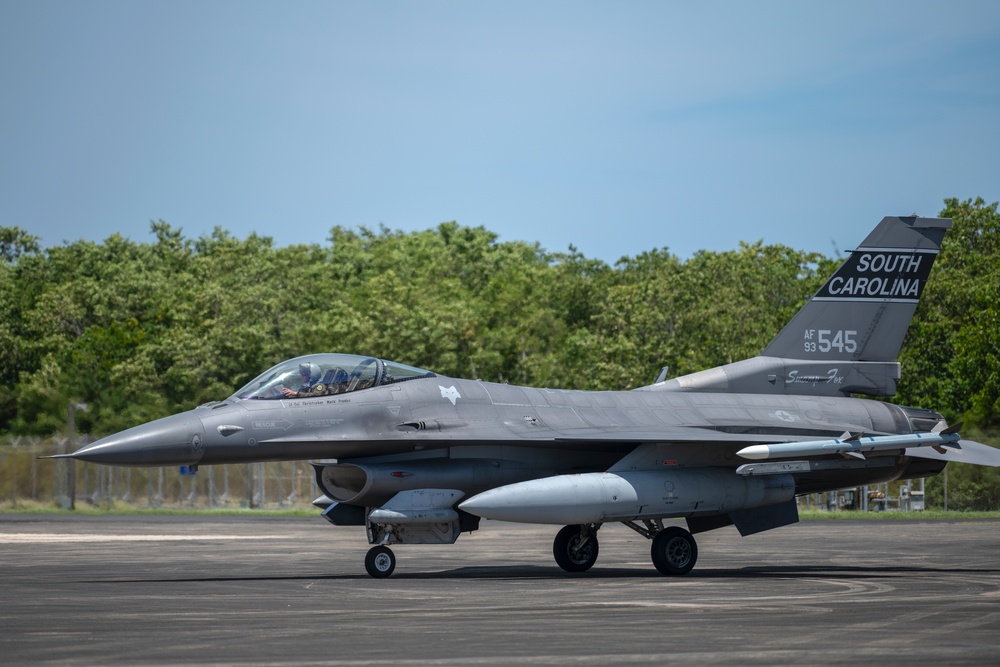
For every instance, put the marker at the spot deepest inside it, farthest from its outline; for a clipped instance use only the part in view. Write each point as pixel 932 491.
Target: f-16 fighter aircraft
pixel 417 458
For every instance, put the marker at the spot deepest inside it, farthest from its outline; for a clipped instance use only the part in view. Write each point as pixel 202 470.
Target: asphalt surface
pixel 265 590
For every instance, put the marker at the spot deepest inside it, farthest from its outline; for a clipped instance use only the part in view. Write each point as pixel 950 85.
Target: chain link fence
pixel 26 481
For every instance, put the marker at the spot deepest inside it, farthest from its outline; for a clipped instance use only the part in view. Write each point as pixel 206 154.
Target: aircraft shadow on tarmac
pixel 551 573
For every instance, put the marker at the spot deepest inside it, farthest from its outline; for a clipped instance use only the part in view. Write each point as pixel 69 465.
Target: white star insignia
pixel 785 416
pixel 450 393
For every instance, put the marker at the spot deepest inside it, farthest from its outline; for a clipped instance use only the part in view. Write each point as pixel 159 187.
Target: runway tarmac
pixel 293 591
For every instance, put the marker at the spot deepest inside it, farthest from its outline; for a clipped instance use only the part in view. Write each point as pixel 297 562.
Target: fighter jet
pixel 418 458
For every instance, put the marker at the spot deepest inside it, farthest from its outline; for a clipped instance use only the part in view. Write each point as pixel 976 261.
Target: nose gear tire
pixel 380 562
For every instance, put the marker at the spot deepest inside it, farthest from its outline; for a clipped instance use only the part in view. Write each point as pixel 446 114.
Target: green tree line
pixel 142 330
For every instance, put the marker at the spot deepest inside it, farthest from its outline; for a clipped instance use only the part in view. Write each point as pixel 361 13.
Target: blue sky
pixel 615 127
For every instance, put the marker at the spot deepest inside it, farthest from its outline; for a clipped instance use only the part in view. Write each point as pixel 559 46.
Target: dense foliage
pixel 141 330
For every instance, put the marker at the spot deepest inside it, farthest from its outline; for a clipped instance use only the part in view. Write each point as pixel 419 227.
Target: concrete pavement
pixel 266 590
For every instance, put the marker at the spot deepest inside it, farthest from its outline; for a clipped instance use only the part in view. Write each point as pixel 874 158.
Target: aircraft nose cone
pixel 175 440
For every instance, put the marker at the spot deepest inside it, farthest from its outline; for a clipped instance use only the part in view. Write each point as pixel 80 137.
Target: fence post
pixel 34 471
pixel 71 463
pixel 15 491
pixel 248 484
pixel 225 485
pixel 281 484
pixel 261 486
pixel 61 472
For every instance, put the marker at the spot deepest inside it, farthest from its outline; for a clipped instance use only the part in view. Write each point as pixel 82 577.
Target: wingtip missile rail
pixel 853 445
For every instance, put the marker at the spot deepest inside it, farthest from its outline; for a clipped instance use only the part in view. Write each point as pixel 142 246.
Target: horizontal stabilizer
pixel 968 451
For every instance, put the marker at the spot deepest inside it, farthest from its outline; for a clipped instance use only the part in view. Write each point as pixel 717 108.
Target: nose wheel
pixel 380 561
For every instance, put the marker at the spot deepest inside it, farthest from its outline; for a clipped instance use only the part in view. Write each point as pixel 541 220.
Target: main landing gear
pixel 674 551
pixel 575 547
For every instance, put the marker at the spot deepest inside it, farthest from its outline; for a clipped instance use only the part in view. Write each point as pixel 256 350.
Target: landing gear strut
pixel 380 561
pixel 575 547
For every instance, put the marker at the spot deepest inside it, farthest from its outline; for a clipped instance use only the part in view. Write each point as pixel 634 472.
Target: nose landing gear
pixel 380 561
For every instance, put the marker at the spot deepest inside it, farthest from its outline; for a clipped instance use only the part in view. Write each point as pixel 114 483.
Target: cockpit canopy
pixel 326 374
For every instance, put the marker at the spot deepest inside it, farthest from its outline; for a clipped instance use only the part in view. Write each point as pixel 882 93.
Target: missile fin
pixel 945 446
pixel 951 430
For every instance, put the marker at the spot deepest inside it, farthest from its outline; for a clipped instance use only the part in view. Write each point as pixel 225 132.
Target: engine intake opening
pixel 344 482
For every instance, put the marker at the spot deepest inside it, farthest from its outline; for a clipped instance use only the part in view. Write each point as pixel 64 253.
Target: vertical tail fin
pixel 864 310
pixel 846 338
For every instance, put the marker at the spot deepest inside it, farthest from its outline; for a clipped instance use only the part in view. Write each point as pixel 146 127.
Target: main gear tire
pixel 674 551
pixel 574 550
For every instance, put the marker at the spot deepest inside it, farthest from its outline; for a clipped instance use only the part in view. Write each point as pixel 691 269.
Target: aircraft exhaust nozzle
pixel 174 440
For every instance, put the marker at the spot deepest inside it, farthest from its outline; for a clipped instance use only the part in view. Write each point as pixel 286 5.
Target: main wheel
pixel 573 551
pixel 380 561
pixel 674 551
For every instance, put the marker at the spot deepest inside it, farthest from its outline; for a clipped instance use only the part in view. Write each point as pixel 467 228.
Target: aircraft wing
pixel 449 435
pixel 696 442
pixel 681 435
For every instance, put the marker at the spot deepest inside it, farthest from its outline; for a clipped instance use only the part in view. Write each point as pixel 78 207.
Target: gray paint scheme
pixel 417 457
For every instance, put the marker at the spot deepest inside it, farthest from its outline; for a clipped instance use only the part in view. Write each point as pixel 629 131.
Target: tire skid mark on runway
pixel 814 591
pixel 67 538
pixel 696 607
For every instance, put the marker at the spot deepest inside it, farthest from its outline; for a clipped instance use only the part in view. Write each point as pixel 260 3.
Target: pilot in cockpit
pixel 337 383
pixel 310 375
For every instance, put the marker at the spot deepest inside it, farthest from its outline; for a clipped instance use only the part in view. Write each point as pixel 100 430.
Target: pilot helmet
pixel 309 370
